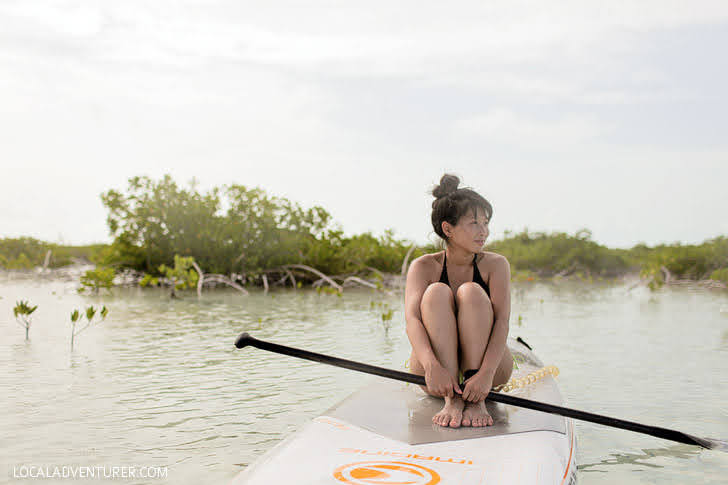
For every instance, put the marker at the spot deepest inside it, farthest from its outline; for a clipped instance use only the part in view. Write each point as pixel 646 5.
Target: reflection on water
pixel 641 458
pixel 160 383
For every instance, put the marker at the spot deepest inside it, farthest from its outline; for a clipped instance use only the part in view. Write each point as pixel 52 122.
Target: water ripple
pixel 161 383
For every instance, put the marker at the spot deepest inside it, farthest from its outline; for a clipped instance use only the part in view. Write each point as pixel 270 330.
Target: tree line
pixel 248 233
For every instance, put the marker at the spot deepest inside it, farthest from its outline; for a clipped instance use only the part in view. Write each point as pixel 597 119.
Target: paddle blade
pixel 242 340
pixel 720 445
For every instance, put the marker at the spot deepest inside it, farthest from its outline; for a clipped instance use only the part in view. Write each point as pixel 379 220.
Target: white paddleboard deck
pixel 383 434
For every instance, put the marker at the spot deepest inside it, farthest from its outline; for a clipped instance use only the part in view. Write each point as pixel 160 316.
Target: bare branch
pixel 201 278
pixel 317 273
pixel 406 260
pixel 82 328
pixel 47 260
pixel 219 278
pixel 360 281
pixel 375 270
pixel 293 279
pixel 282 280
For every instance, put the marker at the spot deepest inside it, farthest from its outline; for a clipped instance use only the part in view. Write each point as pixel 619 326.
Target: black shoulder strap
pixel 443 273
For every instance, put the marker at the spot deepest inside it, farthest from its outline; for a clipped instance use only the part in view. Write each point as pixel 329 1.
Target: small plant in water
pixel 327 290
pixel 182 275
pixel 148 280
pixel 517 359
pixel 91 313
pixel 383 308
pixel 22 312
pixel 96 279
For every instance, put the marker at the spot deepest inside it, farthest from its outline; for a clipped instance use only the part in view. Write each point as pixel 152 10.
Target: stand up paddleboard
pixel 383 435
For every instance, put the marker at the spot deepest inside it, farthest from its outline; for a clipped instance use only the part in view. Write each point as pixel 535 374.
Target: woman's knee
pixel 437 294
pixel 472 293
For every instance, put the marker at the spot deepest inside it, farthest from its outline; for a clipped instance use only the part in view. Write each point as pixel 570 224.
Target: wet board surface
pixel 403 412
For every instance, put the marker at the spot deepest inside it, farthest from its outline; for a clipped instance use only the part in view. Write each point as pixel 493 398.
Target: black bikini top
pixel 476 274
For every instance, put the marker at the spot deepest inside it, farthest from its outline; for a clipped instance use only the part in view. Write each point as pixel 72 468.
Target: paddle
pixel 712 444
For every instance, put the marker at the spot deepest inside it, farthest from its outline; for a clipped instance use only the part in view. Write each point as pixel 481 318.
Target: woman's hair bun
pixel 448 184
pixel 452 203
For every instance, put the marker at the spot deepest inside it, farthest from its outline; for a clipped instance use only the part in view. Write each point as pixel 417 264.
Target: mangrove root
pixel 360 281
pixel 219 278
pixel 316 272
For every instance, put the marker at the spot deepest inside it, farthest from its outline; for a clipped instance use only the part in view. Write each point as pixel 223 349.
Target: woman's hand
pixel 440 382
pixel 477 387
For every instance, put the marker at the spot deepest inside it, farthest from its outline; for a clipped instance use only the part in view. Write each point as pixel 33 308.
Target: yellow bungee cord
pixel 520 382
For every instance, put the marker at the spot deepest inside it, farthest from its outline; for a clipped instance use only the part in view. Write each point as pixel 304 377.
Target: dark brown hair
pixel 451 203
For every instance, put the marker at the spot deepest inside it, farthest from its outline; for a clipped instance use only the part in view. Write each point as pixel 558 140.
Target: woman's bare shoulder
pixel 428 263
pixel 490 259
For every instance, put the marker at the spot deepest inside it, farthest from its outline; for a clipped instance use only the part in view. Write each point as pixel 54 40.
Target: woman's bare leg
pixel 438 315
pixel 475 323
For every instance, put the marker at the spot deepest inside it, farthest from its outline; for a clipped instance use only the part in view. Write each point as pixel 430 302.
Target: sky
pixel 611 116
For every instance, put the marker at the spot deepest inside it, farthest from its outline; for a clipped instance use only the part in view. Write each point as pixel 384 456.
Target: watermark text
pixel 104 472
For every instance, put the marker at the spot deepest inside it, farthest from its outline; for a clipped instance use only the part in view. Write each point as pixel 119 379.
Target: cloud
pixel 504 126
pixel 290 96
pixel 404 37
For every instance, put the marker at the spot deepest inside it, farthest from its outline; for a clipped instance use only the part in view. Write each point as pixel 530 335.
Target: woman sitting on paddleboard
pixel 457 306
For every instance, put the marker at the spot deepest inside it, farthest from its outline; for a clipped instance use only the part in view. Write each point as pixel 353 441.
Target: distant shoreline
pixel 333 262
pixel 391 281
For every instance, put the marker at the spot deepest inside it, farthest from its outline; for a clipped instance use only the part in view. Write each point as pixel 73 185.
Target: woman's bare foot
pixel 451 413
pixel 476 415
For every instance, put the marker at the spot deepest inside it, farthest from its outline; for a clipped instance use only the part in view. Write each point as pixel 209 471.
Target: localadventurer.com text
pixel 97 472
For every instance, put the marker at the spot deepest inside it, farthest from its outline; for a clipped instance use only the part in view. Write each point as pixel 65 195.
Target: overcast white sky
pixel 607 115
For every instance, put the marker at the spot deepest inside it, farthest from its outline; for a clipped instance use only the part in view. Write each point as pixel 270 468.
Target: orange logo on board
pixel 386 473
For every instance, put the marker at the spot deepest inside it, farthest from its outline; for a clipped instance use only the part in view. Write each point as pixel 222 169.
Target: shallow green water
pixel 160 384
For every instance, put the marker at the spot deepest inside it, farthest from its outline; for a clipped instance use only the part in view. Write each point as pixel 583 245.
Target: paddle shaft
pixel 668 434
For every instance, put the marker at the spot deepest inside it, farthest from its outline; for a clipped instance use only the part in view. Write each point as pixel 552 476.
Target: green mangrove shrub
pixel 720 275
pixel 22 312
pixel 148 280
pixel 683 261
pixel 226 229
pixel 97 279
pixel 234 229
pixel 93 317
pixel 182 274
pixel 22 252
pixel 27 253
pixel 559 253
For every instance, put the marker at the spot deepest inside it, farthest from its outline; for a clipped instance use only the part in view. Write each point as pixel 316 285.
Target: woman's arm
pixel 438 379
pixel 500 297
pixel 414 289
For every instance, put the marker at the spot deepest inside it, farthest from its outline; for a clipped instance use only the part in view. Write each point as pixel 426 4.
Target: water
pixel 160 384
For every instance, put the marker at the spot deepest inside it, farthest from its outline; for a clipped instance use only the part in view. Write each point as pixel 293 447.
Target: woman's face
pixel 470 232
